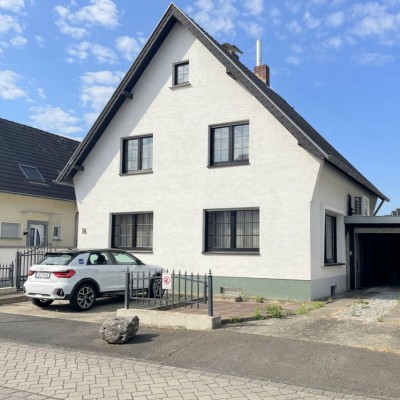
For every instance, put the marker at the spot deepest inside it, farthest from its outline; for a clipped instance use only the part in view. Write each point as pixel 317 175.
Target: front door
pixel 36 235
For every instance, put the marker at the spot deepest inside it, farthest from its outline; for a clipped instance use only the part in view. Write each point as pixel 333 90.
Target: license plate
pixel 43 275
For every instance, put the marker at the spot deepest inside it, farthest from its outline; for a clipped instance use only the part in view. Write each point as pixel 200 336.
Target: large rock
pixel 119 329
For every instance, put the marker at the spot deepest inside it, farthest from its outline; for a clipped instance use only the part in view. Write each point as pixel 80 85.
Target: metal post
pixel 185 276
pixel 205 289
pixel 127 294
pixel 198 291
pixel 173 286
pixel 18 270
pixel 210 294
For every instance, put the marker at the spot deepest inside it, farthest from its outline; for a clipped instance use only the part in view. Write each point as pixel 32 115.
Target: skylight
pixel 32 173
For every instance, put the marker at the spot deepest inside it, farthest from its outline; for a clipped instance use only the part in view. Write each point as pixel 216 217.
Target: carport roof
pixel 372 220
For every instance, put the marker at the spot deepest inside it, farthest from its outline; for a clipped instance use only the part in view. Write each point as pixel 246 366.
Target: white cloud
pixel 251 28
pixel 294 27
pixel 128 46
pixel 55 119
pixel 275 16
pixel 82 51
pixel 40 93
pixel 293 60
pixel 336 19
pixel 310 21
pixel 97 88
pixel 99 12
pixel 9 89
pixel 296 49
pixel 18 41
pixel 377 19
pixel 39 40
pixel 373 59
pixel 9 23
pixel 216 17
pixel 336 42
pixel 12 5
pixel 254 7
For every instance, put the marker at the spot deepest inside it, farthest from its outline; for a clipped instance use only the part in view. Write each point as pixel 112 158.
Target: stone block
pixel 118 330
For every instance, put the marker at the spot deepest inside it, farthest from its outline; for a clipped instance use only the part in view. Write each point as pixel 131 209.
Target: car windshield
pixel 57 259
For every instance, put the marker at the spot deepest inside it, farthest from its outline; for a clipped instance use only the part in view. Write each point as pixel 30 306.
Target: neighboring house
pixel 34 209
pixel 197 164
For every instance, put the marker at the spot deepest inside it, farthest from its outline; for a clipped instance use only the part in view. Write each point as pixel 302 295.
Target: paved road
pixel 39 373
pixel 321 367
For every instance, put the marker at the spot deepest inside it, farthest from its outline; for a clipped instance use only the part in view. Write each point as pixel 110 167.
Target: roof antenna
pixel 259 53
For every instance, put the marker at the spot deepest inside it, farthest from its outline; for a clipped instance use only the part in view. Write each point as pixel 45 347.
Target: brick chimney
pixel 261 70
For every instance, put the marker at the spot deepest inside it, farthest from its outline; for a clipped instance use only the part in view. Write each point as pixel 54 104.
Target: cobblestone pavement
pixel 39 373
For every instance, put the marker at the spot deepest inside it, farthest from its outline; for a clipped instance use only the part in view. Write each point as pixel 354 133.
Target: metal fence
pixel 24 259
pixel 7 275
pixel 147 289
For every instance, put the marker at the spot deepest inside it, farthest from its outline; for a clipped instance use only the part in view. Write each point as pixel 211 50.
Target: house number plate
pixel 43 275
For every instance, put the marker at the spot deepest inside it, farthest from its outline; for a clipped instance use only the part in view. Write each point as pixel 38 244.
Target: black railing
pixel 148 289
pixel 24 259
pixel 7 275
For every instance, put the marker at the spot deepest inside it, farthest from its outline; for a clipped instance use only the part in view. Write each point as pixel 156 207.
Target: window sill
pixel 229 164
pixel 137 250
pixel 182 85
pixel 338 264
pixel 11 238
pixel 140 172
pixel 57 239
pixel 231 253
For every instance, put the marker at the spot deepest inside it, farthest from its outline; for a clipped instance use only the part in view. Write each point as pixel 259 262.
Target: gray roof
pixel 306 135
pixel 27 146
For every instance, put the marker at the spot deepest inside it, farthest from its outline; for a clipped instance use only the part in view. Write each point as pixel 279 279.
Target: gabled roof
pixel 22 145
pixel 306 135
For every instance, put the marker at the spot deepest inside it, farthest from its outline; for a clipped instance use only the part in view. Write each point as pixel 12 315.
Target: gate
pixel 27 258
pixel 187 290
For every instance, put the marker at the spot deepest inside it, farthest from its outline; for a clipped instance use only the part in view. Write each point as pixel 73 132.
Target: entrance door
pixel 36 235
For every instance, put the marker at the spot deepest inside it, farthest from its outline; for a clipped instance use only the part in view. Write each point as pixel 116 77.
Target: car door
pixel 104 271
pixel 129 263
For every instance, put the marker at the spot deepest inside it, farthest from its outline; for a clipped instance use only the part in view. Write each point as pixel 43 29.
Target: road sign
pixel 166 281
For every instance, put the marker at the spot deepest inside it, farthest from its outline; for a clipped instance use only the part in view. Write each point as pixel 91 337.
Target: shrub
pixel 274 310
pixel 257 314
pixel 259 299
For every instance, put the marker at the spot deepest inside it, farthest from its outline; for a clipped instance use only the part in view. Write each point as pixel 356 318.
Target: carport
pixel 373 251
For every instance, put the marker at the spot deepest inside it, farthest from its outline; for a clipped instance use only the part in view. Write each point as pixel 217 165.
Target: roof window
pixel 32 173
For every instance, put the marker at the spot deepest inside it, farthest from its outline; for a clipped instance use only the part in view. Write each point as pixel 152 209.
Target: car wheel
pixel 41 303
pixel 156 287
pixel 83 298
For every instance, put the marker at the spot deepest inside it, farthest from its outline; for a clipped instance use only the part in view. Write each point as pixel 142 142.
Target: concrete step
pixel 15 297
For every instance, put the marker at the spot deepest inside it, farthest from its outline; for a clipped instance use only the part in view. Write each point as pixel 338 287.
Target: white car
pixel 81 276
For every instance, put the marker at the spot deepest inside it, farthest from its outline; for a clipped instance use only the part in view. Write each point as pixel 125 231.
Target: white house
pixel 196 164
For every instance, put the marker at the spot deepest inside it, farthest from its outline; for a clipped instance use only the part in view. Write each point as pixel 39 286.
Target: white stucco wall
pixel 331 197
pixel 279 180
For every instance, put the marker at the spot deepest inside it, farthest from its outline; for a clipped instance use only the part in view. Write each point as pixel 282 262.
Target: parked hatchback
pixel 81 276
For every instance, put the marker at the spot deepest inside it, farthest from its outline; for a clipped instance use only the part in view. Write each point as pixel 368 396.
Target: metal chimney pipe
pixel 259 55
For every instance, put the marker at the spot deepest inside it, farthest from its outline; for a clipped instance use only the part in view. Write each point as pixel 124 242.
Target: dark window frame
pixel 233 232
pixel 175 73
pixel 211 145
pixel 27 169
pixel 139 170
pixel 333 236
pixel 134 239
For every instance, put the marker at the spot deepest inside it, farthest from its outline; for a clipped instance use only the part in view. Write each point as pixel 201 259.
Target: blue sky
pixel 336 61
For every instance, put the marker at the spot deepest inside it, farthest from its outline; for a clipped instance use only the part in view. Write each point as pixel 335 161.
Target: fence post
pixel 18 270
pixel 210 294
pixel 127 293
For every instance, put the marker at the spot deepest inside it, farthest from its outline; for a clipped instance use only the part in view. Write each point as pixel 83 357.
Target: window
pixel 98 258
pixel 57 232
pixel 132 231
pixel 229 144
pixel 232 230
pixel 330 240
pixel 32 173
pixel 181 73
pixel 137 154
pixel 10 230
pixel 125 259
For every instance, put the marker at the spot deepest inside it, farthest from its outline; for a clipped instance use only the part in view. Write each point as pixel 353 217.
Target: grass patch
pixel 257 314
pixel 259 299
pixel 235 320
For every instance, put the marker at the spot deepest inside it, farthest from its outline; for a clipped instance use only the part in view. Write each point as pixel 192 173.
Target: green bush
pixel 257 314
pixel 303 309
pixel 259 299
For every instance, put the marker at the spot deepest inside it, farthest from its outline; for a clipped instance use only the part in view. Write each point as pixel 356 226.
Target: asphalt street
pixel 308 364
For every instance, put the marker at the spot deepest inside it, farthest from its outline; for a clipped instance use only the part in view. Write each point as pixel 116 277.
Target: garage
pixel 373 251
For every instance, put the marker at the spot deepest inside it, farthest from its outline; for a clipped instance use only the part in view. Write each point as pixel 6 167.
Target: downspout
pixel 379 207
